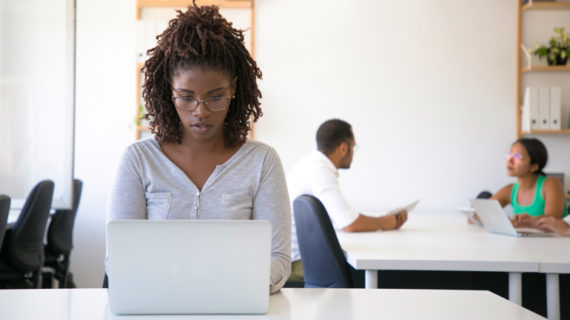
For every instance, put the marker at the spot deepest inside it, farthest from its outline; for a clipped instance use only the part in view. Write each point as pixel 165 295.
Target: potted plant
pixel 140 115
pixel 558 49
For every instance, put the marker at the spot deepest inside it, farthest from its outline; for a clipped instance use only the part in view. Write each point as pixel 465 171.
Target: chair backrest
pixel 25 239
pixel 60 231
pixel 324 263
pixel 4 211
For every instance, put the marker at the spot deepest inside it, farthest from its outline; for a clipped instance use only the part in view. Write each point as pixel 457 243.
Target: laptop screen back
pixel 189 266
pixel 493 217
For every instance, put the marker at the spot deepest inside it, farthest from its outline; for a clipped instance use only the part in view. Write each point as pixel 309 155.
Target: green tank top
pixel 536 208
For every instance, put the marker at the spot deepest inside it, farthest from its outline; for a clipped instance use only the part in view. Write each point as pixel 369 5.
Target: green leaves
pixel 558 49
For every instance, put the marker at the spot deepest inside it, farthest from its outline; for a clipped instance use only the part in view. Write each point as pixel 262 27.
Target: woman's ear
pixel 533 167
pixel 234 86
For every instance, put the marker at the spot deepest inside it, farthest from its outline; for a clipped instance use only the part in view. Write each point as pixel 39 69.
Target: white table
pixel 290 304
pixel 445 242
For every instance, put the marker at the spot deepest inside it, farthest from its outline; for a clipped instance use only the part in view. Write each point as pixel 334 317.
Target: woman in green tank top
pixel 533 195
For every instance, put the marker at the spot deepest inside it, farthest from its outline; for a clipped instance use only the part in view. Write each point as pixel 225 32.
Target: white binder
pixel 555 108
pixel 544 109
pixel 529 112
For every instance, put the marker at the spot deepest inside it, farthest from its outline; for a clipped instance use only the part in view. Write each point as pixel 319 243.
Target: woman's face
pixel 201 83
pixel 518 161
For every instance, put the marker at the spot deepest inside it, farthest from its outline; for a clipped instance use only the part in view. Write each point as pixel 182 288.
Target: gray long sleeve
pixel 250 185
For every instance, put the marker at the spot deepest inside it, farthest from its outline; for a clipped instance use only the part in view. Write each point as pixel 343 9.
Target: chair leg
pixel 38 283
pixel 47 280
pixel 64 273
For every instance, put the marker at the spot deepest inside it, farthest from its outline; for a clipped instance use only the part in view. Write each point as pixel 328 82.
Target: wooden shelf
pixel 565 68
pixel 546 6
pixel 244 4
pixel 552 132
pixel 139 130
pixel 231 4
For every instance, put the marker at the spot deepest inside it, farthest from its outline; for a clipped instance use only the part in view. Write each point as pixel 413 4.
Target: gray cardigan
pixel 250 185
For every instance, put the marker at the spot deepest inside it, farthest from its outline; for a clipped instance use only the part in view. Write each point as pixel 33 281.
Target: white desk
pixel 445 242
pixel 290 304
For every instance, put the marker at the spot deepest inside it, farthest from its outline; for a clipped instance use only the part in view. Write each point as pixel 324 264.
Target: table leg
pixel 552 296
pixel 515 287
pixel 371 279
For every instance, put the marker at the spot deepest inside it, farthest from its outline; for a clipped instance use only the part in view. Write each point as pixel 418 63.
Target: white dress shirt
pixel 316 175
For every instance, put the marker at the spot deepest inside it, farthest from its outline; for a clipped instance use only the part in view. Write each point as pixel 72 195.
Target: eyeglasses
pixel 213 103
pixel 515 155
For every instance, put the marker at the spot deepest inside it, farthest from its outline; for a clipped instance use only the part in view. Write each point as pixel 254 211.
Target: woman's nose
pixel 201 111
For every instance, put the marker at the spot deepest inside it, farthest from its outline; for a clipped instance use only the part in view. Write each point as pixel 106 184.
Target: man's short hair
pixel 332 133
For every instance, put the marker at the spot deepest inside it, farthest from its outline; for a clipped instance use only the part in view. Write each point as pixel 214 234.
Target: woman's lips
pixel 201 127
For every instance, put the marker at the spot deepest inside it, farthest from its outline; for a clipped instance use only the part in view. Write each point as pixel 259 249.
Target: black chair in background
pixel 484 195
pixel 4 211
pixel 60 243
pixel 324 263
pixel 22 253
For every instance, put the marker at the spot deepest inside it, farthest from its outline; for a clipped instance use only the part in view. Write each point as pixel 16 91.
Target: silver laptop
pixel 496 221
pixel 189 266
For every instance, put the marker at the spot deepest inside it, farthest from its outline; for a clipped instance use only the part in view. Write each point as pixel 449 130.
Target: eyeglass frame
pixel 515 155
pixel 204 101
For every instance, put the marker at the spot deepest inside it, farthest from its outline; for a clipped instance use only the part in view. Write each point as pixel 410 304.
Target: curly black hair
pixel 201 37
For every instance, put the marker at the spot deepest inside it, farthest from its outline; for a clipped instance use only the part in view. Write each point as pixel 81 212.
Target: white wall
pixel 105 113
pixel 36 98
pixel 429 87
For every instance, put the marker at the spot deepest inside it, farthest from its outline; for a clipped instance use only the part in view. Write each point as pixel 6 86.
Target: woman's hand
pixel 524 221
pixel 474 219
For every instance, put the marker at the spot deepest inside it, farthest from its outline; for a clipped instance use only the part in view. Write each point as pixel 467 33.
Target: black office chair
pixel 60 242
pixel 484 195
pixel 4 211
pixel 324 263
pixel 22 254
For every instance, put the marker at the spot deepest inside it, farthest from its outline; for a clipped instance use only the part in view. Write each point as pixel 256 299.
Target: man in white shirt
pixel 317 175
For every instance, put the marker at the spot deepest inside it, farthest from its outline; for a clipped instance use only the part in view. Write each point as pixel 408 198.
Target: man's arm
pixel 325 186
pixel 367 223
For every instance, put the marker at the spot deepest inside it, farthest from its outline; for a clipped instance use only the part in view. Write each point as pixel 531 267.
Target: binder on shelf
pixel 544 109
pixel 555 108
pixel 529 112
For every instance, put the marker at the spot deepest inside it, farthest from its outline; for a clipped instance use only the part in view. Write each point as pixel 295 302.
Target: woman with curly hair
pixel 200 93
